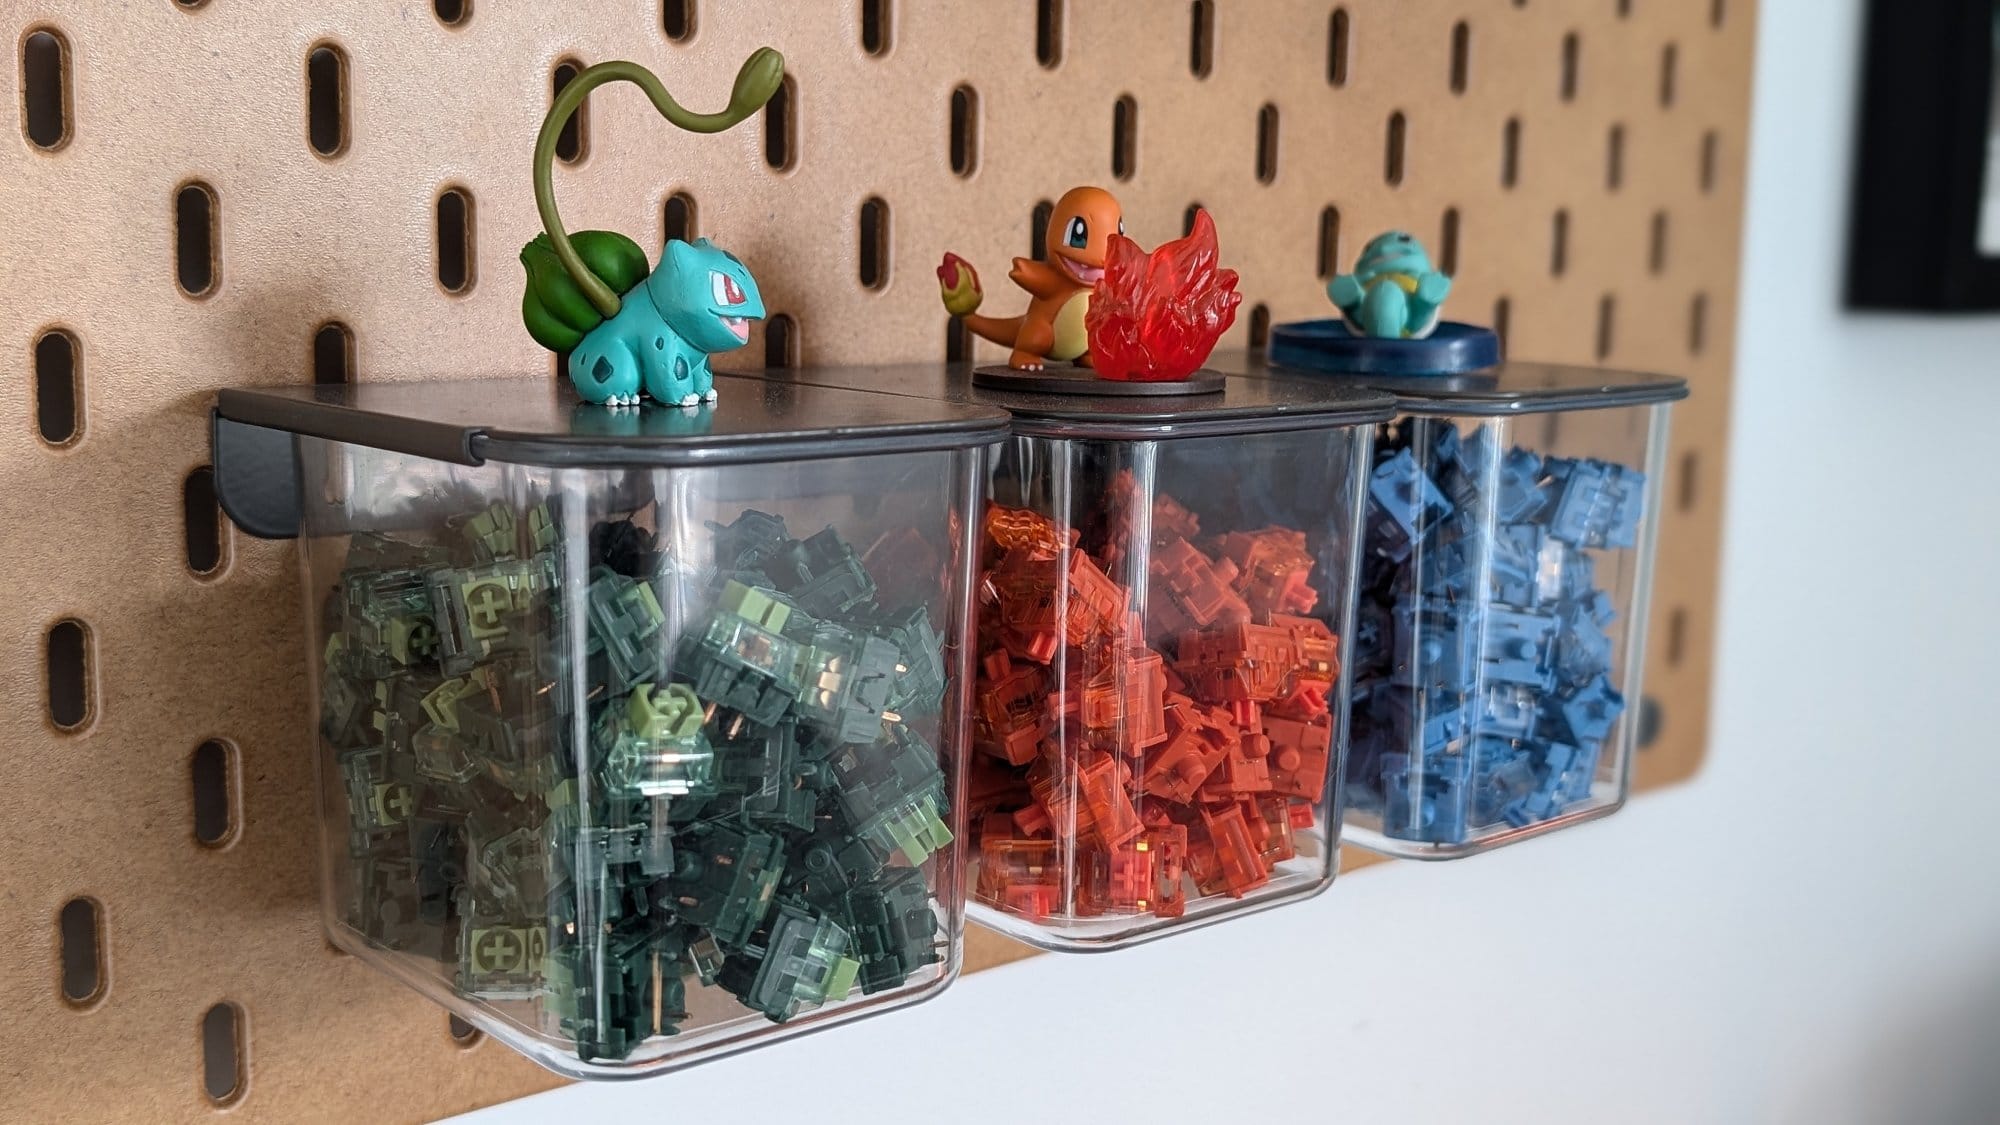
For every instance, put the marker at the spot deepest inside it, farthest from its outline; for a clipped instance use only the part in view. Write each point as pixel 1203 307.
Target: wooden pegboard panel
pixel 1579 162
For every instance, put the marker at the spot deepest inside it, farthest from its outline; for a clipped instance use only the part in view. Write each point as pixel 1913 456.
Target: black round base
pixel 1331 346
pixel 1068 379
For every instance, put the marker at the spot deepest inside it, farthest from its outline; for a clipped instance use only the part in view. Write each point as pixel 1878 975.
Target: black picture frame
pixel 1921 166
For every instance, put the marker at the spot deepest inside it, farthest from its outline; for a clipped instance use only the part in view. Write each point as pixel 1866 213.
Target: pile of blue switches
pixel 1484 684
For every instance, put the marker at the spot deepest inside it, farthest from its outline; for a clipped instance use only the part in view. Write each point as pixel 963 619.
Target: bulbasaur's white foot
pixel 710 396
pixel 690 399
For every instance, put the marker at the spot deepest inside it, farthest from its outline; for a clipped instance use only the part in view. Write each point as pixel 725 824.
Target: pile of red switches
pixel 1132 744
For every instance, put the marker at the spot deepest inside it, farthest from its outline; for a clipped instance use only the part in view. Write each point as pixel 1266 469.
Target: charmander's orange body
pixel 1078 236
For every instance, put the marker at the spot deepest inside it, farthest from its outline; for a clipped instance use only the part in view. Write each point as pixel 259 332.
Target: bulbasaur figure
pixel 699 300
pixel 628 331
pixel 1394 292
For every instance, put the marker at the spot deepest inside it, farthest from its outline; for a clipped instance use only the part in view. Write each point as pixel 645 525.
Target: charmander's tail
pixel 999 329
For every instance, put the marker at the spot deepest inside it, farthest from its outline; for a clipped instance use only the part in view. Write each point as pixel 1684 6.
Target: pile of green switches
pixel 588 793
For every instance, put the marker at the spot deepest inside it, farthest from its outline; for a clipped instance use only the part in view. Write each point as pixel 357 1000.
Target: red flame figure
pixel 1155 317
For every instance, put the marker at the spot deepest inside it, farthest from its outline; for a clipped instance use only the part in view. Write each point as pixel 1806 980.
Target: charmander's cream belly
pixel 1071 339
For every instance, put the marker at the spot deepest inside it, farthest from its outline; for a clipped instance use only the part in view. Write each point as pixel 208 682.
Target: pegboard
pixel 205 192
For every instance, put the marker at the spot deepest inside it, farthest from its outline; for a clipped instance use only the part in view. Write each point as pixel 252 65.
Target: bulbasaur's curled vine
pixel 629 331
pixel 1394 292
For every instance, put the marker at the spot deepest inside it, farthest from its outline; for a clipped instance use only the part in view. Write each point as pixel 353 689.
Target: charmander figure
pixel 1079 234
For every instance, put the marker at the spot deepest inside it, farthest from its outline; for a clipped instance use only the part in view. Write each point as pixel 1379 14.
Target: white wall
pixel 1808 931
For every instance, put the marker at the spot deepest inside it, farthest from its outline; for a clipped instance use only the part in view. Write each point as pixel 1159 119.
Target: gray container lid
pixel 540 421
pixel 1511 388
pixel 1243 406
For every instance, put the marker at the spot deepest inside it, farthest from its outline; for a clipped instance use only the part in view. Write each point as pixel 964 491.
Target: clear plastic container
pixel 1164 594
pixel 1500 630
pixel 640 732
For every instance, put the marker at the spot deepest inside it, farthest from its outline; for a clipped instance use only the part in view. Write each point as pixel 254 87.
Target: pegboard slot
pixel 1652 717
pixel 875 26
pixel 1201 38
pixel 1267 143
pixel 454 239
pixel 333 354
pixel 964 142
pixel 873 257
pixel 1038 228
pixel 1510 153
pixel 197 239
pixel 1124 137
pixel 1049 32
pixel 957 341
pixel 677 217
pixel 573 139
pixel 1397 137
pixel 1711 145
pixel 45 93
pixel 1676 636
pixel 1187 218
pixel 1503 314
pixel 80 937
pixel 58 388
pixel 677 19
pixel 451 13
pixel 781 142
pixel 1656 245
pixel 1614 158
pixel 326 99
pixel 1572 51
pixel 67 674
pixel 1698 324
pixel 201 519
pixel 781 341
pixel 1336 47
pixel 212 779
pixel 1688 490
pixel 1607 324
pixel 1670 61
pixel 1448 242
pixel 1717 12
pixel 463 1035
pixel 1260 326
pixel 1329 242
pixel 1559 244
pixel 1461 55
pixel 224 1067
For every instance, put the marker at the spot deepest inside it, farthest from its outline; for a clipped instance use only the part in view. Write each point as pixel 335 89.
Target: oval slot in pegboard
pixel 326 99
pixel 80 934
pixel 325 256
pixel 67 674
pixel 197 238
pixel 212 782
pixel 205 532
pixel 333 354
pixel 58 387
pixel 456 256
pixel 45 100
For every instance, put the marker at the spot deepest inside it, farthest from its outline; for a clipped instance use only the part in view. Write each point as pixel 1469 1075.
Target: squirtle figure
pixel 1394 292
